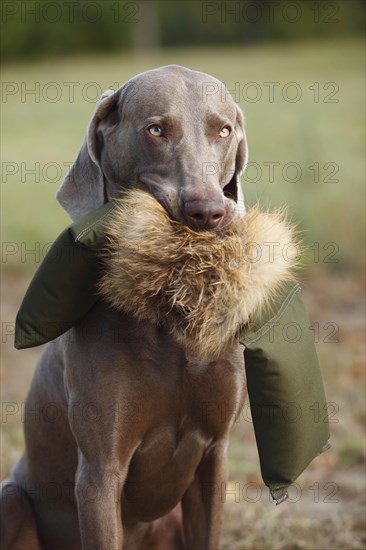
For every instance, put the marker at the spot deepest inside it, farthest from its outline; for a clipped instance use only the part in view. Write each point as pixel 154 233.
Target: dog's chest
pixel 211 397
pixel 200 406
pixel 193 396
pixel 199 411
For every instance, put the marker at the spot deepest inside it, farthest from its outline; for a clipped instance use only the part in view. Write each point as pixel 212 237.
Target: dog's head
pixel 173 132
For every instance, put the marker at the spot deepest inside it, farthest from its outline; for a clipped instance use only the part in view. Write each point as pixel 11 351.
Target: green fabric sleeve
pixel 63 288
pixel 285 388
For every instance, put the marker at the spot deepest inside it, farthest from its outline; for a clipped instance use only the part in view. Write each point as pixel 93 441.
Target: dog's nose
pixel 204 214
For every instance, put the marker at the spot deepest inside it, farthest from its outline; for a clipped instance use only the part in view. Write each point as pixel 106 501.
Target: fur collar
pixel 203 286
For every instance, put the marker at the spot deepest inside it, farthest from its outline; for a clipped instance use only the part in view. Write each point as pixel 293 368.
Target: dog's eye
pixel 225 132
pixel 156 130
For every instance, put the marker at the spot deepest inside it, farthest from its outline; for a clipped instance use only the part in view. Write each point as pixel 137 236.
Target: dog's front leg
pixel 202 504
pixel 98 491
pixel 104 452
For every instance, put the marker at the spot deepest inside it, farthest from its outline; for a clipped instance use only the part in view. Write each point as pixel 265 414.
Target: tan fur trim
pixel 203 286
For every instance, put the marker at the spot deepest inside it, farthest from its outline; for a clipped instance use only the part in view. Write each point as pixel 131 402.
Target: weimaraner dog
pixel 146 472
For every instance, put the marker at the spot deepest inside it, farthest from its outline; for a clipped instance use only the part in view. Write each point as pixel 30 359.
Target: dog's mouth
pixel 231 213
pixel 196 226
pixel 178 214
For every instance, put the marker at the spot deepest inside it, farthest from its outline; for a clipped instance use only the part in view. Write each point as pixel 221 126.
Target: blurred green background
pixel 297 70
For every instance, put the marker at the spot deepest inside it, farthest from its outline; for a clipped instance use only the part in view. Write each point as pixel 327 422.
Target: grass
pixel 323 186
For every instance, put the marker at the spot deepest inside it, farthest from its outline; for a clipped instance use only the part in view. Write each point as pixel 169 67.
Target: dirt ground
pixel 326 509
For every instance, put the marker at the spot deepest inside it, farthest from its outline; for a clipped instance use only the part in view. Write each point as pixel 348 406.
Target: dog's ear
pixel 82 190
pixel 233 189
